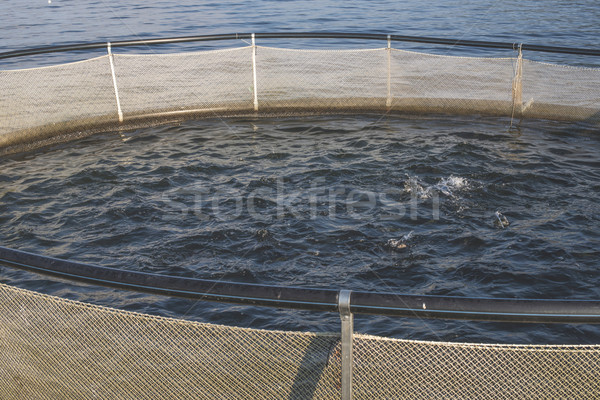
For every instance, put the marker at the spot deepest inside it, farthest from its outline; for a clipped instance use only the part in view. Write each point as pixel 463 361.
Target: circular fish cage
pixel 55 346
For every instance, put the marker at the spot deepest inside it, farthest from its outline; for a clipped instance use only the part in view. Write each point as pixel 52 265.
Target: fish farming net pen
pixel 122 91
pixel 53 347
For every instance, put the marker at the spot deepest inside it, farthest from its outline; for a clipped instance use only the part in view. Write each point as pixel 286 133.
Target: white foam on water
pixel 449 186
pixel 446 186
pixel 413 186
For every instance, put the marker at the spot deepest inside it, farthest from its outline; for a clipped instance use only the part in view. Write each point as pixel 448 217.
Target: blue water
pixel 34 23
pixel 549 22
pixel 321 201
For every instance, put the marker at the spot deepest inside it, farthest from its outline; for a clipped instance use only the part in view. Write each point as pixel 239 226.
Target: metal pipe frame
pixel 302 35
pixel 393 304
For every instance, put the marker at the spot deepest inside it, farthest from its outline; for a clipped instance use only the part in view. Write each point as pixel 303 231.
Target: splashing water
pixel 413 186
pixel 502 221
pixel 400 244
pixel 446 186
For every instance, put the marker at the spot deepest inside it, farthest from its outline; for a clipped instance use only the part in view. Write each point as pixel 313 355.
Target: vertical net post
pixel 347 335
pixel 114 78
pixel 254 73
pixel 517 85
pixel 388 102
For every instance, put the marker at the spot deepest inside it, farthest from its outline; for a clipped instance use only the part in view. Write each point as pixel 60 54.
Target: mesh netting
pixel 210 80
pixel 56 348
pixel 457 85
pixel 36 100
pixel 563 91
pixel 83 98
pixel 304 79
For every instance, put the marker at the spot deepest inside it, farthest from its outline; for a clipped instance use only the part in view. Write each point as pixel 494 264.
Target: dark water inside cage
pixel 373 203
pixel 317 202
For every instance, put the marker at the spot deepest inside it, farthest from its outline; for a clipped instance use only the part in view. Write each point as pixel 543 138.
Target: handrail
pixel 303 35
pixel 444 307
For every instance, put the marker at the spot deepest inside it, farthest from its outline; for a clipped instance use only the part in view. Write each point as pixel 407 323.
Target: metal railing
pixel 393 304
pixel 345 302
pixel 304 35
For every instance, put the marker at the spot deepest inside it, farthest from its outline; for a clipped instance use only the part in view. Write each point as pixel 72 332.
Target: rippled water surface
pixel 362 202
pixel 449 206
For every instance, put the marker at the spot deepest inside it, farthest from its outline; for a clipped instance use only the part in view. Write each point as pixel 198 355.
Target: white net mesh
pixel 561 91
pixel 48 103
pixel 62 349
pixel 38 99
pixel 431 83
pixel 218 80
pixel 320 79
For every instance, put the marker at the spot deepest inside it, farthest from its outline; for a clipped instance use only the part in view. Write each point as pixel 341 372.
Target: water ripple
pixel 386 208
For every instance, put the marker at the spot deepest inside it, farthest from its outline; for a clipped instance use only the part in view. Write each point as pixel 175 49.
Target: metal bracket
pixel 347 333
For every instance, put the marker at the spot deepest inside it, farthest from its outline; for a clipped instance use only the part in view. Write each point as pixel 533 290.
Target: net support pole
pixel 255 87
pixel 388 102
pixel 347 335
pixel 114 79
pixel 517 89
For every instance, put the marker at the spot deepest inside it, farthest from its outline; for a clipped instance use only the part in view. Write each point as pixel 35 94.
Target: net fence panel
pixel 392 368
pixel 51 97
pixel 41 106
pixel 61 349
pixel 455 85
pixel 210 81
pixel 561 92
pixel 57 348
pixel 321 80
